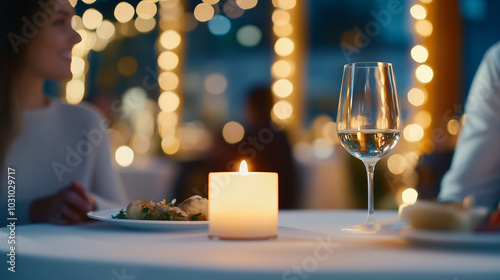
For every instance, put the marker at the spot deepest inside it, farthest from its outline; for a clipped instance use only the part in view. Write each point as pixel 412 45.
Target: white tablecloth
pixel 310 245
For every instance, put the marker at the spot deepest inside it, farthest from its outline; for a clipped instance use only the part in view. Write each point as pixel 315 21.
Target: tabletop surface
pixel 310 245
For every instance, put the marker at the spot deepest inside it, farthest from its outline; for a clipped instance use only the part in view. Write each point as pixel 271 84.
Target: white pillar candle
pixel 243 205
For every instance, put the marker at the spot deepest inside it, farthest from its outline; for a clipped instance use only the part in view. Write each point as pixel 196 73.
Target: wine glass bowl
pixel 368 119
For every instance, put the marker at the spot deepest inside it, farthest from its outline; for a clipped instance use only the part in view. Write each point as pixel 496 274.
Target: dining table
pixel 310 245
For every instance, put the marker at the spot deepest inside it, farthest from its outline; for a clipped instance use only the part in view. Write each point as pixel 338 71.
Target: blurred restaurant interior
pixel 174 76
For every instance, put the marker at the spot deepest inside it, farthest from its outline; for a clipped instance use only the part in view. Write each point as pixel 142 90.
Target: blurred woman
pixel 55 156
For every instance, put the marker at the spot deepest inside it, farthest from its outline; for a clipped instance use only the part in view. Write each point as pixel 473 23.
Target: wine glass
pixel 368 120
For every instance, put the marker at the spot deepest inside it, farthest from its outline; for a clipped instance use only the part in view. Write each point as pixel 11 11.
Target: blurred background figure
pixel 265 147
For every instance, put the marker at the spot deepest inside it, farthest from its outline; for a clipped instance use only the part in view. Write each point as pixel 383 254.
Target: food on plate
pixel 194 205
pixel 430 215
pixel 194 208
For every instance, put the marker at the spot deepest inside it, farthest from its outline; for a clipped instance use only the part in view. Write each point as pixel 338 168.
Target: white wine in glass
pixel 368 120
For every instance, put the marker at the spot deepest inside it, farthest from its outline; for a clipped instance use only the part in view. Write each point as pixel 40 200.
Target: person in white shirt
pixel 475 168
pixel 57 155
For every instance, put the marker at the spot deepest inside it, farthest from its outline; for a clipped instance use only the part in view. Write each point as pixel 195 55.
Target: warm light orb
pixel 246 4
pixel 124 156
pixel 243 167
pixel 284 4
pixel 168 81
pixel 419 54
pixel 144 25
pixel 77 66
pixel 453 127
pixel 91 18
pixel 283 30
pixel 233 132
pixel 124 12
pixel 409 196
pixel 127 66
pixel 75 90
pixel 283 109
pixel 418 12
pixel 416 97
pixel 284 46
pixel 281 69
pixel 396 164
pixel 423 28
pixel 170 39
pixel 413 132
pixel 170 145
pixel 169 101
pixel 280 17
pixel 168 60
pixel 423 118
pixel 106 30
pixel 211 2
pixel 282 88
pixel 424 73
pixel 203 12
pixel 146 9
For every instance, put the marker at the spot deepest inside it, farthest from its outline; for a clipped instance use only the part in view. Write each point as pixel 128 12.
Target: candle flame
pixel 243 168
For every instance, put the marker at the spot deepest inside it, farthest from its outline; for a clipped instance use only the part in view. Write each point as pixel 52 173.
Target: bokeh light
pixel 215 83
pixel 249 35
pixel 284 46
pixel 285 4
pixel 423 118
pixel 246 4
pixel 283 109
pixel 170 39
pixel 75 90
pixel 124 12
pixel 396 164
pixel 92 18
pixel 106 30
pixel 418 12
pixel 169 101
pixel 281 69
pixel 424 73
pixel 413 132
pixel 77 66
pixel 232 10
pixel 282 88
pixel 409 196
pixel 419 54
pixel 168 60
pixel 124 156
pixel 219 25
pixel 203 12
pixel 233 132
pixel 423 28
pixel 146 9
pixel 453 127
pixel 144 25
pixel 170 145
pixel 168 81
pixel 416 97
pixel 322 149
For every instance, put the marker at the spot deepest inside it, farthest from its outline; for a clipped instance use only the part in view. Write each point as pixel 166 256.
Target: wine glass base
pixel 366 228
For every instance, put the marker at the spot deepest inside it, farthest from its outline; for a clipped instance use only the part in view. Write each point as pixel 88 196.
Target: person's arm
pixel 475 168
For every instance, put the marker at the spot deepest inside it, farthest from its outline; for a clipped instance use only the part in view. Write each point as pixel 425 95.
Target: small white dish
pixel 451 237
pixel 106 216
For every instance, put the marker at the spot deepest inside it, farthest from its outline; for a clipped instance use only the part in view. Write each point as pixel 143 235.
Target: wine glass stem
pixel 370 167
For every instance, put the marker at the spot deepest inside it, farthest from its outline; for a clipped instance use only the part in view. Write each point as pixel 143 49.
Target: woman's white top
pixel 59 143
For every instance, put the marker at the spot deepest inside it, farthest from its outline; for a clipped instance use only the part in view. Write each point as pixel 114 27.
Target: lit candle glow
pixel 243 205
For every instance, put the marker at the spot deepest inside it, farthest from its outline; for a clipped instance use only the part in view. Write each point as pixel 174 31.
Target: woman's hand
pixel 68 206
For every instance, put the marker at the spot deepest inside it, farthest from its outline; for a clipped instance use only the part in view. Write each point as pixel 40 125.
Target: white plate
pixel 105 216
pixel 451 237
